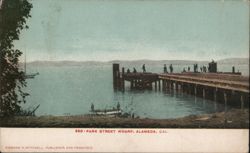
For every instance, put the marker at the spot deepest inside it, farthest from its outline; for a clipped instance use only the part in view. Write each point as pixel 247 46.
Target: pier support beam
pixel 132 84
pixel 242 101
pixel 204 93
pixel 171 85
pixel 123 80
pixel 195 90
pixel 225 100
pixel 167 84
pixel 182 87
pixel 215 94
pixel 176 85
pixel 159 85
pixel 163 85
pixel 116 76
pixel 189 89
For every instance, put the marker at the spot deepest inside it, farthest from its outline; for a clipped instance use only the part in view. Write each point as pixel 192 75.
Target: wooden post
pixel 155 85
pixel 183 87
pixel 132 84
pixel 159 85
pixel 242 101
pixel 180 86
pixel 163 85
pixel 115 75
pixel 204 93
pixel 167 83
pixel 215 94
pixel 176 85
pixel 123 80
pixel 195 90
pixel 189 89
pixel 172 85
pixel 225 98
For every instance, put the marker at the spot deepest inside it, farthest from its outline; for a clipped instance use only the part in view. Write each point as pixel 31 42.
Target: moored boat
pixel 107 112
pixel 111 112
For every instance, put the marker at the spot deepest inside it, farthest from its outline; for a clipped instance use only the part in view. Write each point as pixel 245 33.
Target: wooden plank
pixel 208 80
pixel 209 84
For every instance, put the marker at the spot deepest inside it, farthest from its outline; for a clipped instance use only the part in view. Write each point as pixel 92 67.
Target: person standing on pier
pixel 92 107
pixel 118 106
pixel 195 68
pixel 134 71
pixel 143 68
pixel 171 68
pixel 165 70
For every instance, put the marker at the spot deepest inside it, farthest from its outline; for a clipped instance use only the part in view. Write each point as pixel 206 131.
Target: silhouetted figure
pixel 143 68
pixel 134 71
pixel 184 70
pixel 171 68
pixel 233 69
pixel 128 71
pixel 188 69
pixel 195 67
pixel 92 107
pixel 204 68
pixel 118 105
pixel 165 70
pixel 201 69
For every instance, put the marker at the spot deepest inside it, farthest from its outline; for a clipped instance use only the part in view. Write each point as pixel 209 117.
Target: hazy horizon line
pixel 104 61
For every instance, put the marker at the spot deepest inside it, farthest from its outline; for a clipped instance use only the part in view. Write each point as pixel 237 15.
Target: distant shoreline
pixel 142 61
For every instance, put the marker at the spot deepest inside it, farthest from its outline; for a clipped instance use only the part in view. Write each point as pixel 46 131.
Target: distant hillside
pixel 158 62
pixel 64 63
pixel 231 61
pixel 234 61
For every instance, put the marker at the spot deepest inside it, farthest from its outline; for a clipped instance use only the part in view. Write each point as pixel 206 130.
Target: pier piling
pixel 215 94
pixel 116 75
pixel 195 90
pixel 203 92
pixel 242 101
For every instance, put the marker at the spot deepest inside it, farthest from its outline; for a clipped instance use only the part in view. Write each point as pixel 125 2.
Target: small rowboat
pixel 107 112
pixel 110 112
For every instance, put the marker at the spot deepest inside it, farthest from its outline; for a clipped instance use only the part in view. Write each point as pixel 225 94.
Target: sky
pixel 103 30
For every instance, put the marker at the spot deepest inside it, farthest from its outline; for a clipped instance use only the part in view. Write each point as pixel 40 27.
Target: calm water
pixel 71 90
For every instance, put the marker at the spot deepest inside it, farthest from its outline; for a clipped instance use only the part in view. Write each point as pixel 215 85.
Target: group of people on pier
pixel 212 67
pixel 165 69
pixel 202 69
pixel 135 71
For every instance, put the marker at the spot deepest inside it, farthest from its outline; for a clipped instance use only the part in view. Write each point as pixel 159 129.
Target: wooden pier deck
pixel 224 81
pixel 230 89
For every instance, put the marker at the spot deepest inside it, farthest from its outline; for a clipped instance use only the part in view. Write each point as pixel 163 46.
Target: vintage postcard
pixel 124 75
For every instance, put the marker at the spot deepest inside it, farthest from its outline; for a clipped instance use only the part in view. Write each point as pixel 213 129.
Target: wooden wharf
pixel 230 89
